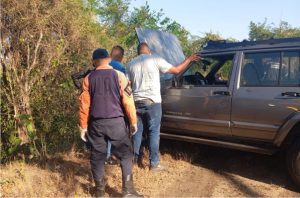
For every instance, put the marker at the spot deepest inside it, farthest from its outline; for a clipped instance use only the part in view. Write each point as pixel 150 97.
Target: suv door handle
pixel 292 94
pixel 223 93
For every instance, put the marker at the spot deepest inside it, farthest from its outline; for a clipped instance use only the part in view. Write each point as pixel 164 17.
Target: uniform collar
pixel 104 67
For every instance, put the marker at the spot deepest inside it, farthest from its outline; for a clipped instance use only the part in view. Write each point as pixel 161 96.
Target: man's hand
pixel 194 57
pixel 133 129
pixel 182 66
pixel 83 132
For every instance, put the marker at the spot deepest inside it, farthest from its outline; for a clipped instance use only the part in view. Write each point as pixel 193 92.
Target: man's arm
pixel 182 66
pixel 127 99
pixel 78 76
pixel 84 104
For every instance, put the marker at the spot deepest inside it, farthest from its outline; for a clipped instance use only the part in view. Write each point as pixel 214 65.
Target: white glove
pixel 83 133
pixel 133 129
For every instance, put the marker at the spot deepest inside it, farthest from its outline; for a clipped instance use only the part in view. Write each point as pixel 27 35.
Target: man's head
pixel 100 57
pixel 117 53
pixel 143 48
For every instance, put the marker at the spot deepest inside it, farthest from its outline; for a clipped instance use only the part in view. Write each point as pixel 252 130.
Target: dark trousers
pixel 116 131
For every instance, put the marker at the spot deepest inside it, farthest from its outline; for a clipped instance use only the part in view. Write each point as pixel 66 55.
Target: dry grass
pixel 57 177
pixel 192 171
pixel 69 175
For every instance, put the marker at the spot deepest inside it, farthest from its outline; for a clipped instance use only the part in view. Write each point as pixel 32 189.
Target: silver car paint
pixel 257 113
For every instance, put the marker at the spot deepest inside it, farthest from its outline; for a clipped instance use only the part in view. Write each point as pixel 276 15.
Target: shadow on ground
pixel 225 162
pixel 71 171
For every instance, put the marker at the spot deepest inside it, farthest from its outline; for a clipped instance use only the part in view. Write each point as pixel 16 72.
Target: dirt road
pixel 197 170
pixel 194 171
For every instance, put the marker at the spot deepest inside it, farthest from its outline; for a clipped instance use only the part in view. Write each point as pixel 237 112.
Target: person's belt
pixel 95 118
pixel 144 101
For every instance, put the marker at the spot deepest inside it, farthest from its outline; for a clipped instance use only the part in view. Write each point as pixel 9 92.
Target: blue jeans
pixel 108 149
pixel 149 117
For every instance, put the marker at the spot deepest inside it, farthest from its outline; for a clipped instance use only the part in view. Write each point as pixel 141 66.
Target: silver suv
pixel 243 95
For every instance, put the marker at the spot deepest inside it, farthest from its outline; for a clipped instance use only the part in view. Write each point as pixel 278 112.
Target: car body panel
pixel 286 128
pixel 259 112
pixel 197 109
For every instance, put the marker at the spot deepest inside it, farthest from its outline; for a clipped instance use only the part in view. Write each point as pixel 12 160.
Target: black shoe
pixel 99 188
pixel 128 188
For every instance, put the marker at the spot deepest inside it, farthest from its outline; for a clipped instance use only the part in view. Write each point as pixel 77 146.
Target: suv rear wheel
pixel 293 161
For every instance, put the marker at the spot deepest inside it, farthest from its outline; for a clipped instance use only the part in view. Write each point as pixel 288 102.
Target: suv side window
pixel 271 69
pixel 217 73
pixel 260 69
pixel 223 74
pixel 290 70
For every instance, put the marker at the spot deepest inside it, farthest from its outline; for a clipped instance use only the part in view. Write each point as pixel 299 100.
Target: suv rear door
pixel 265 94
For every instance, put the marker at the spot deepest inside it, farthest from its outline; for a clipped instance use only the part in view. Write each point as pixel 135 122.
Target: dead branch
pixel 33 64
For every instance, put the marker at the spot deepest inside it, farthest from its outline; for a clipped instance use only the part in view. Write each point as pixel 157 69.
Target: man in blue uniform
pixel 105 101
pixel 116 54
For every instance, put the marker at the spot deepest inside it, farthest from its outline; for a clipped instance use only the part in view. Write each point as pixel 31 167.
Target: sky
pixel 229 18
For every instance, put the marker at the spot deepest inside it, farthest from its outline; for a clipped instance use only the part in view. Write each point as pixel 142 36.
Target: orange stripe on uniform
pixel 84 104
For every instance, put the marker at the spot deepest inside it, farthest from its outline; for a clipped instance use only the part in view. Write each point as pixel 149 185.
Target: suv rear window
pixel 290 69
pixel 271 69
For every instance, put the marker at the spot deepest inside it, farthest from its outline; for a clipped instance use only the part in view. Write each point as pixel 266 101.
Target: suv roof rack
pixel 224 44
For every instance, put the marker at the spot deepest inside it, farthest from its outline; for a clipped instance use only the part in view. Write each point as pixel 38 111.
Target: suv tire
pixel 293 162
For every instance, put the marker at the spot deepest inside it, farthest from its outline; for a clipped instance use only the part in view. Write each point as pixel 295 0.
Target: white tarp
pixel 163 44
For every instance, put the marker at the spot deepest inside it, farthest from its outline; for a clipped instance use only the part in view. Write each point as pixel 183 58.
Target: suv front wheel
pixel 293 161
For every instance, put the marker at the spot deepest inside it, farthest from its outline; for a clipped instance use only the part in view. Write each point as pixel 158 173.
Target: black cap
pixel 100 53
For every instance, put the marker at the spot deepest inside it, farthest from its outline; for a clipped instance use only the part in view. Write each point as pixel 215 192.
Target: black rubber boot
pixel 128 188
pixel 99 188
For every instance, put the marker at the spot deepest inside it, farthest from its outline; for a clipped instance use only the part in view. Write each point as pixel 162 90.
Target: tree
pixel 142 17
pixel 40 41
pixel 263 31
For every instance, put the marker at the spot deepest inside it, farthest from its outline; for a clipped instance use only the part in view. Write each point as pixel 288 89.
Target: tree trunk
pixel 23 116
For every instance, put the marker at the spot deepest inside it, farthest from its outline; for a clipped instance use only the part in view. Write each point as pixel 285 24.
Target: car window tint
pixel 260 69
pixel 195 67
pixel 216 73
pixel 290 70
pixel 194 75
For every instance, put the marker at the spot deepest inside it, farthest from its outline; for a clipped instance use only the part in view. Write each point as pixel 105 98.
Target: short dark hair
pixel 117 51
pixel 100 53
pixel 141 46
